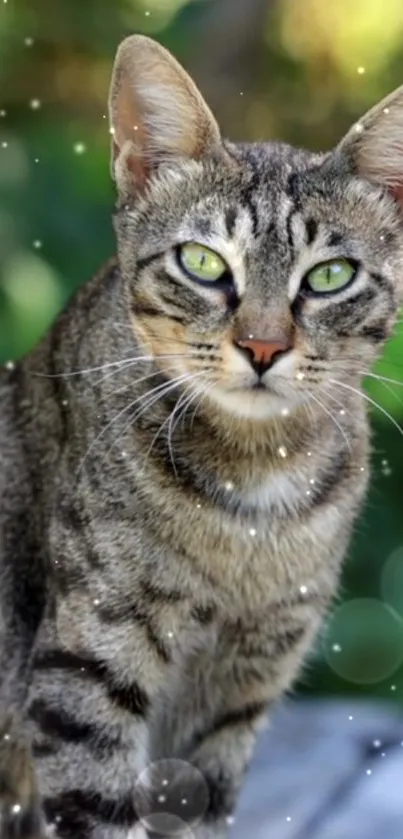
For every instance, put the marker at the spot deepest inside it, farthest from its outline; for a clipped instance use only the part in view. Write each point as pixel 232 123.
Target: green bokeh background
pixel 297 70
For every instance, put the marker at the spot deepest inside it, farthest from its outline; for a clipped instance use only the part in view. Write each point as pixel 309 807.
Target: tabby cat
pixel 183 458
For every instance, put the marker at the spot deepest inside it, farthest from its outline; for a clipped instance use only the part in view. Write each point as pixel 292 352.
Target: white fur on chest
pixel 280 492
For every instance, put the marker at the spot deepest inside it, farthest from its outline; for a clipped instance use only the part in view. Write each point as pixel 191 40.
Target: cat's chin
pixel 254 404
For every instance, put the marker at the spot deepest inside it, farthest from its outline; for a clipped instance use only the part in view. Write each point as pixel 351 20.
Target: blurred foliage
pixel 299 70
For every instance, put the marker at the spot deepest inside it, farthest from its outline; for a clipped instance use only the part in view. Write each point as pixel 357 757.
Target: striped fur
pixel 172 535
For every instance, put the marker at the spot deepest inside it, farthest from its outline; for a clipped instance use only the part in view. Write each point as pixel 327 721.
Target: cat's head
pixel 259 274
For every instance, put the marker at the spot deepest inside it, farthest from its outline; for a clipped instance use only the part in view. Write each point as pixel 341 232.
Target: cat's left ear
pixel 374 145
pixel 156 114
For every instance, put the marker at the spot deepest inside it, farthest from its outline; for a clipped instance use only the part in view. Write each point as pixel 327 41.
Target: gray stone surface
pixel 326 770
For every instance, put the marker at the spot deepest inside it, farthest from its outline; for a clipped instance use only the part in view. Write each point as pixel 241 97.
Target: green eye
pixel 201 263
pixel 330 276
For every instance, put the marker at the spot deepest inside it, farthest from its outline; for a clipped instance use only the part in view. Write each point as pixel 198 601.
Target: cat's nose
pixel 262 354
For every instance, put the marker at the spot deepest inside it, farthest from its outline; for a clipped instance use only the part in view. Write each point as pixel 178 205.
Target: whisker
pixel 161 391
pixel 162 426
pixel 122 363
pixel 115 418
pixel 150 358
pixel 382 378
pixel 371 402
pixel 334 420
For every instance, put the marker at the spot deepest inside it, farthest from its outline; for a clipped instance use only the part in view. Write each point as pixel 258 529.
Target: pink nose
pixel 262 353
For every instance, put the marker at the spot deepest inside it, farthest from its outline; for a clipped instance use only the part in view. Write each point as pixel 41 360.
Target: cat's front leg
pixel 94 678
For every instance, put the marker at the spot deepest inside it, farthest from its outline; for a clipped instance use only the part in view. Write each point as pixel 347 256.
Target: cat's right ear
pixel 156 114
pixel 374 145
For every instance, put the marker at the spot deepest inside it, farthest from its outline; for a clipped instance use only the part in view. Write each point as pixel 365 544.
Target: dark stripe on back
pixel 129 698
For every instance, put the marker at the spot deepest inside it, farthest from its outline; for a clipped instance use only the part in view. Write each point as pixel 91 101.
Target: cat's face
pixel 259 275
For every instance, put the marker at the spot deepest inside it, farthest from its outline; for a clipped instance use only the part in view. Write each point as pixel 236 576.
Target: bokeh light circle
pixel 364 641
pixel 171 796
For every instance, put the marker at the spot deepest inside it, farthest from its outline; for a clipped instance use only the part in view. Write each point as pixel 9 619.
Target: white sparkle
pixel 16 808
pixel 230 819
pixel 96 602
pixel 342 412
pixel 250 337
pixel 393 687
pixel 170 635
pixel 382 237
pixel 383 754
pixel 362 468
pixel 360 71
pixel 35 104
pixel 4 144
pixel 123 454
pixel 369 771
pixel 282 451
pixel 300 375
pixel 184 801
pixel 228 485
pixel 351 718
pixel 303 589
pixel 147 14
pixel 37 160
pixel 288 818
pixel 6 737
pixel 165 782
pixel 111 130
pixel 9 365
pixel 252 531
pixel 308 492
pixel 336 648
pixel 385 462
pixel 198 506
pixel 28 42
pixel 358 128
pixel 135 128
pixel 3 113
pixel 386 110
pixel 377 744
pixel 64 403
pixel 285 412
pixel 309 454
pixel 37 244
pixel 79 148
pixel 311 480
pixel 162 798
